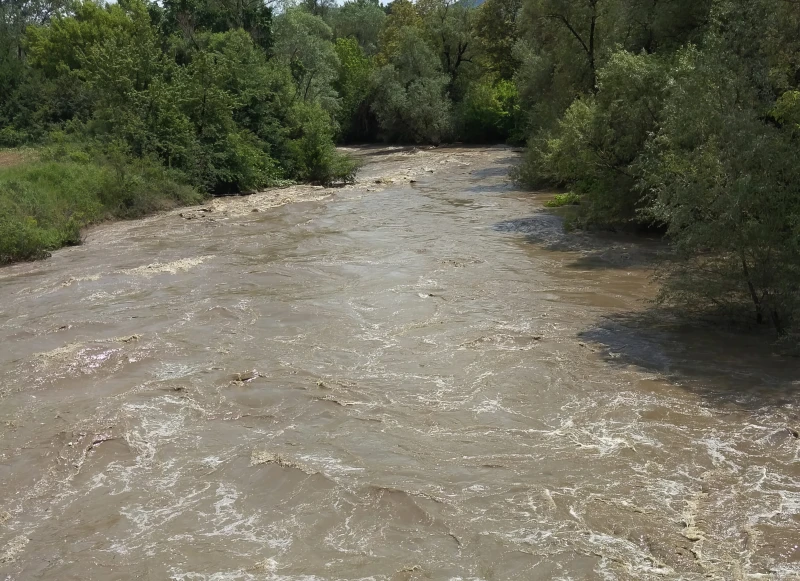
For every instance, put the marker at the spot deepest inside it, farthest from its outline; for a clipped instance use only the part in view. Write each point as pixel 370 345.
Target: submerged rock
pixel 196 213
pixel 261 457
pixel 246 376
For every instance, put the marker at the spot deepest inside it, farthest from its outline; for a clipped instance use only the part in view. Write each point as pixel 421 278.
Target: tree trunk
pixel 592 65
pixel 776 320
pixel 752 288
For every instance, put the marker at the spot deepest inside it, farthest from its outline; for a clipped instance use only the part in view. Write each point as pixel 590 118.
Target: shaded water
pixel 424 381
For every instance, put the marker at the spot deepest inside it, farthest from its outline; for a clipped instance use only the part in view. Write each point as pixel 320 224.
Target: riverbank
pixel 51 203
pixel 47 198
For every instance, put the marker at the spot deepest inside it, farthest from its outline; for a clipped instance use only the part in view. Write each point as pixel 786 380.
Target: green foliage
pixel 564 44
pixel 206 101
pixel 787 110
pixel 497 33
pixel 221 113
pixel 303 43
pixel 168 99
pixel 190 17
pixel 490 113
pixel 449 28
pixel 314 156
pixel 410 100
pixel 44 204
pixel 402 15
pixel 353 87
pixel 681 115
pixel 560 200
pixel 726 184
pixel 362 20
pixel 595 146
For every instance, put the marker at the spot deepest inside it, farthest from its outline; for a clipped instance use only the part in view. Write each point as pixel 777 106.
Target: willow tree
pixel 450 29
pixel 497 31
pixel 303 42
pixel 410 92
pixel 362 20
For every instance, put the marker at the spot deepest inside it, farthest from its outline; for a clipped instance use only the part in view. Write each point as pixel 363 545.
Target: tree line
pixel 678 116
pixel 125 108
pixel 236 93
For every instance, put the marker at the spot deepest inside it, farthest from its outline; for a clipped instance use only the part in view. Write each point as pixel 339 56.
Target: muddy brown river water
pixel 417 377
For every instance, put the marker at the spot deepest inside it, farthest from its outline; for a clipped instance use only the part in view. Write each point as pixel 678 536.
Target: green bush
pixel 314 156
pixel 10 137
pixel 410 93
pixel 355 70
pixel 214 106
pixel 560 200
pixel 44 204
pixel 595 147
pixel 489 113
pixel 727 186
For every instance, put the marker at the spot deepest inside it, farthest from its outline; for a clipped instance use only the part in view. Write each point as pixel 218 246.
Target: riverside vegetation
pixel 679 116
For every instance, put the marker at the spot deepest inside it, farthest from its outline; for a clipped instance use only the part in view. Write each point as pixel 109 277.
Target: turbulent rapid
pixel 416 377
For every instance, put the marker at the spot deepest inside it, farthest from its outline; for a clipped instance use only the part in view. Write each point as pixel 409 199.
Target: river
pixel 416 377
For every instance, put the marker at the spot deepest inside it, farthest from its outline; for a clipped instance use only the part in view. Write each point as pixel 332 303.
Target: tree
pixel 303 42
pixel 562 54
pixel 17 15
pixel 321 8
pixel 353 87
pixel 362 20
pixel 726 184
pixel 410 92
pixel 449 28
pixel 497 31
pixel 596 145
pixel 189 17
pixel 401 15
pixel 489 112
pixel 576 25
pixel 659 26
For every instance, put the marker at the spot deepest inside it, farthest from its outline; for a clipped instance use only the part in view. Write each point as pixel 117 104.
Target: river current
pixel 417 377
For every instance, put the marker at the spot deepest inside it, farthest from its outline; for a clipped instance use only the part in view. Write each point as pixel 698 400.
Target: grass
pixel 47 197
pixel 561 200
pixel 568 207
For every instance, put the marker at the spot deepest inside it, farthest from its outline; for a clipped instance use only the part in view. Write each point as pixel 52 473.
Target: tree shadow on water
pixel 587 250
pixel 724 367
pixel 727 367
pixel 491 188
pixel 491 172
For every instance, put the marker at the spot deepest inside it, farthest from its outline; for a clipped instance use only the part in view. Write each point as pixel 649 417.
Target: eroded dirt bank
pixel 415 377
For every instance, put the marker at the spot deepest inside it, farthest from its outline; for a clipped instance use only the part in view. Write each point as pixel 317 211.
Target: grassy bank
pixel 48 196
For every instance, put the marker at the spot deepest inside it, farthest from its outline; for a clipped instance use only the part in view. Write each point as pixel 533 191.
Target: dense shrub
pixel 314 156
pixel 410 93
pixel 688 124
pixel 45 203
pixel 490 113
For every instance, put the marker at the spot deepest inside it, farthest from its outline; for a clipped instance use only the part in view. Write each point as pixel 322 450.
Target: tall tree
pixel 497 31
pixel 303 42
pixel 449 25
pixel 361 19
pixel 577 25
pixel 192 16
pixel 410 92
